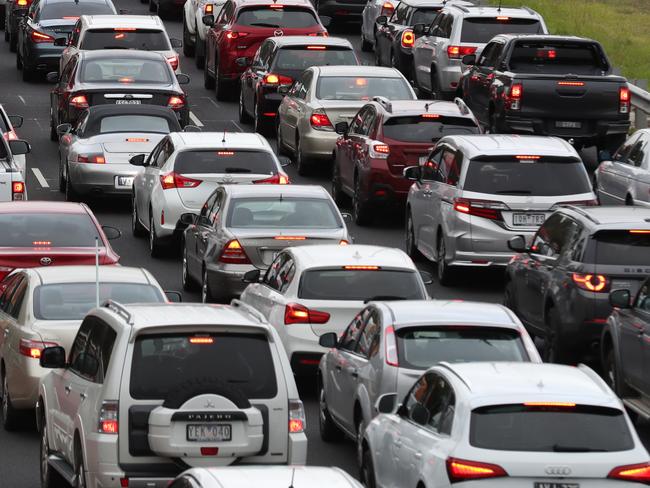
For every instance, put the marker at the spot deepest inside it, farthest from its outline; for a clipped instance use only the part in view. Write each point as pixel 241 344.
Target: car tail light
pixel 567 83
pixel 173 61
pixel 277 179
pixel 233 253
pixel 176 101
pixel 624 100
pixel 343 242
pixel 387 9
pixel 40 37
pixel 275 80
pixel 639 231
pixel 486 209
pixel 208 9
pixel 390 343
pixel 10 135
pixel 97 158
pixel 319 34
pixel 209 451
pixel 639 473
pixel 296 417
pixel 379 150
pixel 18 190
pixel 108 417
pixel 174 180
pixel 317 48
pixel 235 34
pixel 513 98
pixel 457 52
pixel 33 349
pixel 591 282
pixel 408 38
pixel 79 101
pixel 357 267
pixel 463 470
pixel 294 313
pixel 23 3
pixel 320 121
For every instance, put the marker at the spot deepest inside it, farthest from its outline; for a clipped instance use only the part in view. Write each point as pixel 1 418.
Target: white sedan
pixel 194 30
pixel 309 291
pixel 504 425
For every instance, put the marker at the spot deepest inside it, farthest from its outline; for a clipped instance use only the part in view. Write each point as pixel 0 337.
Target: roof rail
pixel 384 102
pixel 581 211
pixel 462 106
pixel 250 310
pixel 119 309
pixel 449 367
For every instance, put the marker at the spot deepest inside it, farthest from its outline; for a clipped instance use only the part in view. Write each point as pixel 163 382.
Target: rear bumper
pixel 100 179
pixel 42 58
pixel 383 188
pixel 449 76
pixel 227 283
pixel 591 129
pixel 318 144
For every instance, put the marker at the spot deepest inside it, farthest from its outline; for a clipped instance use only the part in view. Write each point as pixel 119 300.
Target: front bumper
pixel 100 179
pixel 341 8
pixel 590 130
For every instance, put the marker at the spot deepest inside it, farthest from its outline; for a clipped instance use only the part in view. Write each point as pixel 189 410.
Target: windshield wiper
pixel 514 192
pixel 561 448
pixel 237 170
pixel 383 298
pixel 264 24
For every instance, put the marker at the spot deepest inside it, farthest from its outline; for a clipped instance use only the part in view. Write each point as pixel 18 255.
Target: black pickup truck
pixel 548 85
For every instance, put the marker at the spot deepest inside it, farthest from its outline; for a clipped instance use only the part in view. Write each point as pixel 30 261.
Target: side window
pixel 272 276
pixel 435 25
pixel 369 340
pixel 440 406
pixel 80 127
pixel 75 358
pixel 305 84
pixel 624 151
pixel 9 288
pixel 165 151
pixel 17 297
pixel 226 14
pixel 577 244
pixel 643 298
pixel 264 54
pixel 368 122
pixel 352 333
pixel 76 33
pixel 399 17
pixel 490 55
pixel 295 89
pixel 445 26
pixel 449 167
pixel 357 122
pixel 430 166
pixel 286 274
pixel 98 352
pixel 416 398
pixel 153 155
pixel 207 206
pixel 67 71
pixel 638 153
pixel 216 208
pixel 554 235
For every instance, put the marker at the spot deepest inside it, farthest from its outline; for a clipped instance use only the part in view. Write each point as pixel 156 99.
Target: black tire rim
pixel 152 235
pixel 5 398
pixel 44 455
pixel 442 265
pixel 410 236
pixel 185 276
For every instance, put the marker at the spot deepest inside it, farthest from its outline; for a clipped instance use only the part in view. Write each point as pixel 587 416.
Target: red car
pixel 39 233
pixel 239 30
pixel 385 137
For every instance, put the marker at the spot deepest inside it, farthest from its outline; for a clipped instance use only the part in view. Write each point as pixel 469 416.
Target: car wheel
pixel 303 167
pixel 444 271
pixel 435 86
pixel 411 245
pixel 206 294
pixel 260 123
pixel 188 283
pixel 188 45
pixel 244 118
pixel 360 209
pixel 79 468
pixel 496 127
pixel 199 53
pixel 6 34
pixel 13 42
pixel 629 201
pixel 378 58
pixel 509 296
pixel 338 195
pixel 70 194
pixel 366 46
pixel 137 229
pixel 394 61
pixel 220 86
pixel 19 61
pixel 50 478
pixel 555 350
pixel 367 470
pixel 281 148
pixel 62 180
pixel 155 248
pixel 9 413
pixel 208 81
pixel 329 432
pixel 361 428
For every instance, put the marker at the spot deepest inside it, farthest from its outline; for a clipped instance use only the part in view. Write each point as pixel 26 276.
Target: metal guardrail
pixel 640 103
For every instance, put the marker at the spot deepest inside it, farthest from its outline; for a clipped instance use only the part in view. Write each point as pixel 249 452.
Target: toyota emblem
pixel 46 261
pixel 278 33
pixel 558 470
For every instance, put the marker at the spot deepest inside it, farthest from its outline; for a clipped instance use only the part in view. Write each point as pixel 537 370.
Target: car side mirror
pixel 208 20
pixel 188 219
pixel 183 79
pixel 52 76
pixel 284 161
pixel 52 358
pixel 620 299
pixel 63 129
pixel 173 296
pixel 284 89
pixel 61 42
pixel 111 232
pixel 191 128
pixel 469 59
pixel 418 29
pixel 386 403
pixel 341 128
pixel 137 160
pixel 16 121
pixel 517 244
pixel 604 155
pixel 175 42
pixel 19 147
pixel 329 340
pixel 412 173
pixel 426 277
pixel 242 61
pixel 420 414
pixel 382 20
pixel 252 276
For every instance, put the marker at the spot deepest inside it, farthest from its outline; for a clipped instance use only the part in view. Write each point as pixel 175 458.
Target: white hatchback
pixel 505 425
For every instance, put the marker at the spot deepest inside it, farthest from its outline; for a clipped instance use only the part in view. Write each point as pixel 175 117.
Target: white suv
pixel 149 389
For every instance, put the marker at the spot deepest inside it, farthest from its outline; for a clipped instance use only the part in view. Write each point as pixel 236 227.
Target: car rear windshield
pixel 619 247
pixel 126 71
pixel 360 285
pixel 72 10
pixel 559 57
pixel 134 123
pixel 427 128
pixel 72 301
pixel 567 428
pixel 542 177
pixel 420 347
pixel 302 57
pixel 225 161
pixel 283 213
pixel 273 17
pixel 47 230
pixel 362 88
pixel 481 29
pixel 424 16
pixel 163 363
pixel 126 38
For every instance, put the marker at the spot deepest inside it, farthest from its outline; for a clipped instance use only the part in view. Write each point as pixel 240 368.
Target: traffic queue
pixel 470 126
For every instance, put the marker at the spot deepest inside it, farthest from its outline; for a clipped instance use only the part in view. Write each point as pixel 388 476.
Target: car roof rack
pixel 459 7
pixel 462 106
pixel 384 102
pixel 581 211
pixel 119 309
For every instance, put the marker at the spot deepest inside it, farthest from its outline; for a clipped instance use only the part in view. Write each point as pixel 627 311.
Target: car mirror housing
pixel 16 121
pixel 183 79
pixel 517 244
pixel 52 77
pixel 604 155
pixel 137 160
pixel 187 219
pixel 382 20
pixel 426 277
pixel 284 161
pixel 329 340
pixel 386 403
pixel 242 62
pixel 418 29
pixel 19 147
pixel 469 59
pixel 341 128
pixel 620 299
pixel 52 358
pixel 208 20
pixel 173 296
pixel 111 232
pixel 252 276
pixel 412 173
pixel 63 129
pixel 175 42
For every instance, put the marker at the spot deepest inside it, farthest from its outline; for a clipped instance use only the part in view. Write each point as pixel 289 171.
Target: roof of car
pixel 84 274
pixel 41 206
pixel 451 312
pixel 542 37
pixel 368 71
pixel 615 216
pixel 321 256
pixel 277 477
pixel 310 191
pixel 403 107
pixel 214 139
pixel 487 11
pixel 121 53
pixel 434 3
pixel 501 145
pixel 108 21
pixel 254 3
pixel 285 41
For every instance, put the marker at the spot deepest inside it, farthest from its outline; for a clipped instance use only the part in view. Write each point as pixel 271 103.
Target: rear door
pixel 193 236
pixel 612 174
pixel 633 344
pixel 481 77
pixel 642 309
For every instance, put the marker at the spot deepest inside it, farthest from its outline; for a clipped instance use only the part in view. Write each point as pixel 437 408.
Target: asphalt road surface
pixel 19 450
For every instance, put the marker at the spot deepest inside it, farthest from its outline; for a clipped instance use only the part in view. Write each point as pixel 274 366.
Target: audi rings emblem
pixel 558 470
pixel 46 261
pixel 278 33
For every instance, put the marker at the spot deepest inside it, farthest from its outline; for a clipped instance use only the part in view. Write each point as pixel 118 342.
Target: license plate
pixel 566 124
pixel 127 102
pixel 555 484
pixel 209 432
pixel 423 159
pixel 123 181
pixel 528 219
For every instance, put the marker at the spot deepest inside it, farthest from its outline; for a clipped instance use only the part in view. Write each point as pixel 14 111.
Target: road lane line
pixel 41 179
pixel 212 101
pixel 196 120
pixel 22 99
pixel 237 125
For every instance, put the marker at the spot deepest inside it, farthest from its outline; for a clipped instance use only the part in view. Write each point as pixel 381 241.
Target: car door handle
pixel 427 193
pixel 354 373
pixel 83 396
pixel 417 455
pixel 398 443
pixel 67 389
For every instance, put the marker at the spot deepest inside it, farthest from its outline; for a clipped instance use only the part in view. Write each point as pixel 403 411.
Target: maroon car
pixel 39 233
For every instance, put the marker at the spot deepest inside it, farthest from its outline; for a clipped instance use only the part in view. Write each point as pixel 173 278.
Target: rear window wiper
pixel 383 298
pixel 237 170
pixel 561 448
pixel 513 192
pixel 264 24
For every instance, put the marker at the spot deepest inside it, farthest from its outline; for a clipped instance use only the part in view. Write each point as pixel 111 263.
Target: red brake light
pixel 624 100
pixel 79 101
pixel 513 98
pixel 209 451
pixel 108 417
pixel 380 149
pixel 33 349
pixel 233 253
pixel 343 242
pixel 591 282
pixel 278 179
pixel 457 52
pixel 235 34
pixel 390 343
pixel 462 470
pixel 320 121
pixel 550 404
pixel 430 116
pixel 41 37
pixel 632 472
pixel 125 29
pixel 276 5
pixel 22 3
pixel 18 190
pixel 91 158
pixel 387 9
pixel 137 139
pixel 273 79
pixel 201 340
pixel 570 83
pixel 503 17
pixel 174 180
pixel 41 243
pixel 173 61
pixel 176 101
pixel 516 90
pixel 527 157
pixel 486 209
pixel 290 238
pixel 408 38
pixel 317 48
pixel 294 313
pixel 361 268
pixel 639 231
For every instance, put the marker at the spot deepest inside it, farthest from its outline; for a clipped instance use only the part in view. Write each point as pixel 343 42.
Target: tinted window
pixel 352 333
pixel 419 128
pixel 162 363
pixel 143 39
pixel 47 230
pixel 423 16
pixel 286 213
pixel 545 177
pixel 125 70
pixel 362 88
pixel 421 347
pixel 292 18
pixel 75 358
pixel 557 58
pixel 482 29
pixel 134 123
pixel 299 58
pixel 343 284
pixel 618 247
pixel 225 161
pixel 71 10
pixel 72 301
pixel 549 429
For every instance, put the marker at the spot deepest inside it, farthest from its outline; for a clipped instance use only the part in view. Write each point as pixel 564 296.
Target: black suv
pixel 559 286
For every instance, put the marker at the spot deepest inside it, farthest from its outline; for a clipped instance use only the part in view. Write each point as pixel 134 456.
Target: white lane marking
pixel 41 179
pixel 212 101
pixel 237 125
pixel 22 99
pixel 196 120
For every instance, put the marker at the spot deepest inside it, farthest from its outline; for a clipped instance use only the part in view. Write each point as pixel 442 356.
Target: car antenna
pixel 293 471
pixel 223 139
pixel 426 107
pixel 499 7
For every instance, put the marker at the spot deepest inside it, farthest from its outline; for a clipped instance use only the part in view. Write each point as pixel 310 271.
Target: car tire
pixel 612 376
pixel 220 86
pixel 206 293
pixel 367 474
pixel 70 194
pixel 188 45
pixel 445 273
pixel 435 85
pixel 361 213
pixel 555 350
pixel 19 61
pixel 6 34
pixel 329 432
pixel 261 125
pixel 137 229
pixel 361 428
pixel 199 53
pixel 629 201
pixel 366 46
pixel 496 125
pixel 204 386
pixel 62 181
pixel 281 148
pixel 377 58
pixel 410 244
pixel 340 198
pixel 13 42
pixel 50 478
pixel 303 165
pixel 244 117
pixel 8 412
pixel 155 247
pixel 79 468
pixel 164 12
pixel 208 81
pixel 188 282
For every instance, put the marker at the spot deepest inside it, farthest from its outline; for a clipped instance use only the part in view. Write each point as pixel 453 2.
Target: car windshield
pixel 302 57
pixel 361 285
pixel 72 301
pixel 274 16
pixel 163 363
pixel 619 247
pixel 427 127
pixel 537 177
pixel 558 57
pixel 134 123
pixel 362 88
pixel 421 347
pixel 481 29
pixel 125 38
pixel 72 10
pixel 283 213
pixel 47 230
pixel 564 428
pixel 126 71
pixel 225 161
pixel 424 16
